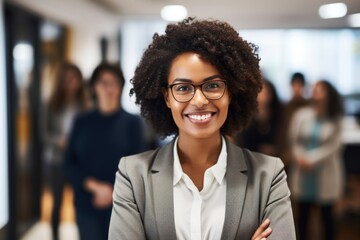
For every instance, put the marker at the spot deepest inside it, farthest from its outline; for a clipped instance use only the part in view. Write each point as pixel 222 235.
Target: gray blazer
pixel 256 189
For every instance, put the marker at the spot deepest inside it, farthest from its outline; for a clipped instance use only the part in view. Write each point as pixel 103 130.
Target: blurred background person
pixel 98 140
pixel 68 99
pixel 262 134
pixel 317 172
pixel 297 101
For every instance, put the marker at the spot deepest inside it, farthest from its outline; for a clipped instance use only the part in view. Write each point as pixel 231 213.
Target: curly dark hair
pixel 217 43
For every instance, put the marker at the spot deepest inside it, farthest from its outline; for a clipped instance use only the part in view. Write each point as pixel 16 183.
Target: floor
pixel 67 229
pixel 347 220
pixel 42 230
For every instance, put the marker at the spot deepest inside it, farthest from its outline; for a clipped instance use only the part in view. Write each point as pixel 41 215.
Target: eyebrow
pixel 190 81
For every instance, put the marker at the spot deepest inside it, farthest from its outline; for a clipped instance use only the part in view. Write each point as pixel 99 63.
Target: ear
pixel 166 96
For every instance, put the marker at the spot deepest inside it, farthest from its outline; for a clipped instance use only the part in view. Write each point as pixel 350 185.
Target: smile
pixel 200 117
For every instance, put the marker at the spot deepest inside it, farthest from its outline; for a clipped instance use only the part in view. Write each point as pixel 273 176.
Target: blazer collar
pixel 236 183
pixel 162 177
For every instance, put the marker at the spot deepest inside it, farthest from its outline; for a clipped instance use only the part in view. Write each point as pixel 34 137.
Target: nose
pixel 199 100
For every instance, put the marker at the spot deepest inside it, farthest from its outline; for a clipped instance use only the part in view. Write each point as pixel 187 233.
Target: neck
pixel 71 99
pixel 263 113
pixel 320 110
pixel 199 152
pixel 109 107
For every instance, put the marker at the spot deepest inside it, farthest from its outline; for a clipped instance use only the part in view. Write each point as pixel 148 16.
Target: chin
pixel 202 134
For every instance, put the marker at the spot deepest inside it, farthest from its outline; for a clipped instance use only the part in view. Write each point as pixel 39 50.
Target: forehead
pixel 191 66
pixel 107 76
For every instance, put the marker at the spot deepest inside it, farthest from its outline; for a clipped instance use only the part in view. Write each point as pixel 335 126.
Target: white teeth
pixel 200 117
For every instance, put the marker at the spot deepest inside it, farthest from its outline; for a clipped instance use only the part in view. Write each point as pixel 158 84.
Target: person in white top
pixel 69 98
pixel 317 172
pixel 199 82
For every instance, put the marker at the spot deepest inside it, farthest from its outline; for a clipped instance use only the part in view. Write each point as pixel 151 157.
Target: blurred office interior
pixel 37 35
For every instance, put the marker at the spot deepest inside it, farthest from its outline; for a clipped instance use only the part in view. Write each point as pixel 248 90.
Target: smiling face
pixel 200 117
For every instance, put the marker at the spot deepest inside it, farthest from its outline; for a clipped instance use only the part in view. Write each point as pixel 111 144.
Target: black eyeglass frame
pixel 201 89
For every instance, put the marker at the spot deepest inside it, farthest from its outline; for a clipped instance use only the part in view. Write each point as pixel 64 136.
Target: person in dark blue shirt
pixel 98 140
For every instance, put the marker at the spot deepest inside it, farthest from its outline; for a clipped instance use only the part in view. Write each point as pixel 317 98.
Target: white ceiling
pixel 240 13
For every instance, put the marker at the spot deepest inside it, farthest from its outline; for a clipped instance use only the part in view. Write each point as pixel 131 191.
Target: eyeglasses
pixel 184 92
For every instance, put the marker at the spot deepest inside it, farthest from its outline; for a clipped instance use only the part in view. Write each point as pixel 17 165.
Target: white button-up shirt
pixel 200 215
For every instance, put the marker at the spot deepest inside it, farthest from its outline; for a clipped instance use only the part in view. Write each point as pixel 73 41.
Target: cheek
pixel 97 90
pixel 117 91
pixel 176 107
pixel 227 99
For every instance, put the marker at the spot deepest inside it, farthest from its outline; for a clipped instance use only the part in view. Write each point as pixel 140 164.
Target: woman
pixel 199 82
pixel 263 133
pixel 317 173
pixel 67 100
pixel 98 140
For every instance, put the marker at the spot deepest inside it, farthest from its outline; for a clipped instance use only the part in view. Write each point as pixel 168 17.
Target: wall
pixel 85 47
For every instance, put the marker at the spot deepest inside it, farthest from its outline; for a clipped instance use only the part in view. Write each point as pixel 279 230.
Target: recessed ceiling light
pixel 333 10
pixel 173 13
pixel 354 20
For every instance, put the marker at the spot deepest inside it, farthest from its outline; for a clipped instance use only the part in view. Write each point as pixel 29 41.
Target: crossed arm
pixel 126 221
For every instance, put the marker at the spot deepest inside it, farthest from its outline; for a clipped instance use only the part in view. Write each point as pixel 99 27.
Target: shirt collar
pixel 218 170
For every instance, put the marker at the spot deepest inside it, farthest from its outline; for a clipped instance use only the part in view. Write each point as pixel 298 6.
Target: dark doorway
pixel 23 89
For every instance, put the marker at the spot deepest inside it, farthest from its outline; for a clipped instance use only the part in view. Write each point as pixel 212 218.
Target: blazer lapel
pixel 236 180
pixel 162 178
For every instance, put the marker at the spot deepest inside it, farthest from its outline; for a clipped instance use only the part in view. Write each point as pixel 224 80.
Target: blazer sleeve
pixel 278 206
pixel 125 223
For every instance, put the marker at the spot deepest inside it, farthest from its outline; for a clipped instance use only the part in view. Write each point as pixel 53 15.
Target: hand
pixel 305 165
pixel 263 231
pixel 102 192
pixel 103 197
pixel 62 142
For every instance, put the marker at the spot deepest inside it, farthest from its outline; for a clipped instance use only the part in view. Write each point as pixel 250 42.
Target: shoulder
pixel 254 162
pixel 129 116
pixel 263 163
pixel 137 163
pixel 82 120
pixel 305 112
pixel 86 116
pixel 126 114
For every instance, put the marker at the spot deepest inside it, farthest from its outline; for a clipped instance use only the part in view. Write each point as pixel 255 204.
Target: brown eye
pixel 183 88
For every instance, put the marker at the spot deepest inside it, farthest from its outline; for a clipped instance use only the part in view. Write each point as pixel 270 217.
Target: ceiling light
pixel 354 20
pixel 333 10
pixel 173 13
